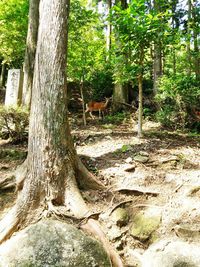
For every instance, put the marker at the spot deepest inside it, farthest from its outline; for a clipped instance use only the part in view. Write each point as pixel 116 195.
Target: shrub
pixel 117 117
pixel 177 97
pixel 14 123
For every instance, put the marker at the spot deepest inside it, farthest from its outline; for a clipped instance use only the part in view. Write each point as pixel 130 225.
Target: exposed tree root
pixel 73 198
pixel 86 179
pixel 9 224
pixel 27 211
pixel 15 178
pixel 7 182
pixel 93 227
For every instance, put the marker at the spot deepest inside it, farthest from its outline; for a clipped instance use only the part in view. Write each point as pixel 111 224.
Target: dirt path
pixel 161 171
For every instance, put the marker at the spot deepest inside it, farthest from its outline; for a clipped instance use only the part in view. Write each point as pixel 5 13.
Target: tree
pixel 13 29
pixel 31 44
pixel 120 91
pixel 137 27
pixel 52 169
pixel 52 165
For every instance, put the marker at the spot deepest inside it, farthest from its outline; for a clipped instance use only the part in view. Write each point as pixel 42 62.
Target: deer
pixel 97 106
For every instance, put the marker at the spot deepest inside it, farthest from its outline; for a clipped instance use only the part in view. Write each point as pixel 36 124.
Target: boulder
pixel 52 243
pixel 144 225
pixel 120 217
pixel 167 253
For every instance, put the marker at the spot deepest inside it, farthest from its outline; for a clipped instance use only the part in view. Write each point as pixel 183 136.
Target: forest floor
pixel 159 173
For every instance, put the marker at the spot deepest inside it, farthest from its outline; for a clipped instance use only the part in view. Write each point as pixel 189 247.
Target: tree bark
pixel 52 163
pixel 157 65
pixel 108 32
pixel 189 37
pixel 140 107
pixel 120 92
pixel 31 44
pixel 3 75
pixel 196 45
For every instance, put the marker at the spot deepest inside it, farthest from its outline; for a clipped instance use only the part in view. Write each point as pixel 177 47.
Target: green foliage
pixel 116 118
pixel 86 47
pixel 178 96
pixel 13 123
pixel 102 84
pixel 13 30
pixel 135 27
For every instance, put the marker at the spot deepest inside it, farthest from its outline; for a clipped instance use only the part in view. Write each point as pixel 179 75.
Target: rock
pixel 128 160
pixel 114 233
pixel 188 231
pixel 144 225
pixel 166 253
pixel 140 158
pixel 133 257
pixel 120 217
pixel 52 243
pixel 144 153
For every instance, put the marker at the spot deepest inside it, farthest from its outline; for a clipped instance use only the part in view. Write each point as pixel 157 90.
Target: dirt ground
pixel 159 171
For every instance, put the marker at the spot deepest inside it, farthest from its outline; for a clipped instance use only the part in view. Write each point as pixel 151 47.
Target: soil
pixel 160 170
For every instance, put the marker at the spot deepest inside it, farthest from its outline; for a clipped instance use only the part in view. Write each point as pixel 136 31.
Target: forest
pixel 99 139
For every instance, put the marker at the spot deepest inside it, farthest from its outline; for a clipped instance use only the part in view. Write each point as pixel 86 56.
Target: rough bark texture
pixel 120 95
pixel 31 44
pixel 52 162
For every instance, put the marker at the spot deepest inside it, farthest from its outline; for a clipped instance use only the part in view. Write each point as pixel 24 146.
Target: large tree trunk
pixel 52 162
pixel 31 44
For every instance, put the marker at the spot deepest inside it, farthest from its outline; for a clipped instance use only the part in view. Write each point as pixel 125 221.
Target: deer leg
pixel 91 115
pixel 99 114
pixel 102 114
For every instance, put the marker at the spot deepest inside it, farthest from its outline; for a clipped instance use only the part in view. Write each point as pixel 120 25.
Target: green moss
pixel 144 226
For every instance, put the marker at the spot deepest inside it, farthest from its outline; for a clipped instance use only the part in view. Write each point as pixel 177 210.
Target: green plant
pixel 178 96
pixel 116 118
pixel 13 123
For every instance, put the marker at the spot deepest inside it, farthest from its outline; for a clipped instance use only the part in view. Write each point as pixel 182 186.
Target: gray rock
pixel 188 231
pixel 141 158
pixel 51 243
pixel 172 254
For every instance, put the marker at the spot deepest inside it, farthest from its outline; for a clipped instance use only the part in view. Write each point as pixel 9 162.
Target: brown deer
pixel 97 106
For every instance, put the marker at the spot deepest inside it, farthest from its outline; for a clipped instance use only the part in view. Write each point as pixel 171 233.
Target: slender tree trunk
pixel 3 75
pixel 83 101
pixel 174 4
pixel 140 107
pixel 108 32
pixel 189 37
pixel 31 44
pixel 196 44
pixel 157 65
pixel 120 91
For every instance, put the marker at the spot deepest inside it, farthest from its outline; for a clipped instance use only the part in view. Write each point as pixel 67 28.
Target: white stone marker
pixel 14 88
